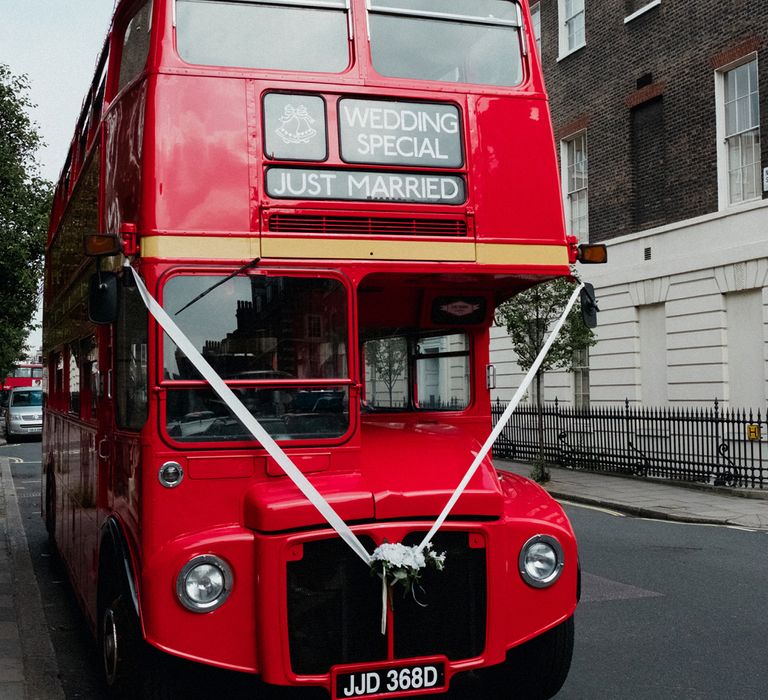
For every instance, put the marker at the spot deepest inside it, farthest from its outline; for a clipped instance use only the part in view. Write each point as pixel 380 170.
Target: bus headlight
pixel 204 583
pixel 541 561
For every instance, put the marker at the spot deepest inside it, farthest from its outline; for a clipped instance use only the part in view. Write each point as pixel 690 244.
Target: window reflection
pixel 252 34
pixel 442 372
pixel 440 45
pixel 260 327
pixel 426 373
pixel 266 329
pixel 74 379
pixel 286 414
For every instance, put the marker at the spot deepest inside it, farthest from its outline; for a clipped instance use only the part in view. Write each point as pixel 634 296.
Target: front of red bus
pixel 341 193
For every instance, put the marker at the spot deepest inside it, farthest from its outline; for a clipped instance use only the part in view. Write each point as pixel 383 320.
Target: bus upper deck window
pixel 135 45
pixel 447 40
pixel 311 35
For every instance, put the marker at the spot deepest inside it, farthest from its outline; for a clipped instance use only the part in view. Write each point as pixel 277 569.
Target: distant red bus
pixel 23 374
pixel 329 198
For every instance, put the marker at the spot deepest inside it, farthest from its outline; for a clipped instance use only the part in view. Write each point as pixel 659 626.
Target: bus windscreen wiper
pixel 253 263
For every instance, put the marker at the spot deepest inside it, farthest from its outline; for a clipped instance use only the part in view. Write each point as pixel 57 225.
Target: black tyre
pixel 535 670
pixel 132 669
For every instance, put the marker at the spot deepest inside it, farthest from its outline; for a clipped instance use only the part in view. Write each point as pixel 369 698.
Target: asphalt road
pixel 667 611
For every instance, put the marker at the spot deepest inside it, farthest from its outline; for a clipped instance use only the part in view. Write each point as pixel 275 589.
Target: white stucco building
pixel 660 115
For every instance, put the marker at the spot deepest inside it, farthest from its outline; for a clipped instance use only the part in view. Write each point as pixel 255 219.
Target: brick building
pixel 658 107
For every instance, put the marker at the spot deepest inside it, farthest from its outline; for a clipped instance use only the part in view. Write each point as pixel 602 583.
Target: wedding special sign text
pixel 371 132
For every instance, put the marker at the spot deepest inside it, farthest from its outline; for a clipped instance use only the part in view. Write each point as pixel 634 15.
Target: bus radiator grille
pixel 334 607
pixel 365 225
pixel 446 615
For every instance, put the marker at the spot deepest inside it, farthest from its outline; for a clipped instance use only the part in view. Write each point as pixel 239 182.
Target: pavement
pixel 28 668
pixel 655 498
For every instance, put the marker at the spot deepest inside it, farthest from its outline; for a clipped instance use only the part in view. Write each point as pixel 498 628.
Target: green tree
pixel 528 318
pixel 25 200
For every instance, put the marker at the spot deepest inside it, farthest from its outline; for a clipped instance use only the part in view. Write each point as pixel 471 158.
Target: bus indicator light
pixel 99 244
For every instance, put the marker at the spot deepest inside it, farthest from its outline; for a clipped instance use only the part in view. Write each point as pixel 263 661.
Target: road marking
pixel 596 589
pixel 682 522
pixel 15 460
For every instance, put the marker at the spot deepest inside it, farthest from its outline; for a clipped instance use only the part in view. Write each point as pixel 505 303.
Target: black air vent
pixel 334 606
pixel 365 226
pixel 334 609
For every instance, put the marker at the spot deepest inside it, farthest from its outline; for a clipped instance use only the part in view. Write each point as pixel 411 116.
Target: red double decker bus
pixel 328 198
pixel 23 374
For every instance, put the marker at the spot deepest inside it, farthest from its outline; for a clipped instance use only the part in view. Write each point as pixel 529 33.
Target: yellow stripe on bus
pixel 247 247
pixel 201 247
pixel 347 249
pixel 516 254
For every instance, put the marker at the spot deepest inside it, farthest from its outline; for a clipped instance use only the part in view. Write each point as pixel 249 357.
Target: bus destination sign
pixel 400 133
pixel 364 185
pixel 371 132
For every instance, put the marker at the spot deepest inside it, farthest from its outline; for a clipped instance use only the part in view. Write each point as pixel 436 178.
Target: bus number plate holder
pixel 391 679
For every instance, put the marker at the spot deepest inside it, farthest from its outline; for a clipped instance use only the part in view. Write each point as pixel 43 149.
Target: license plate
pixel 388 680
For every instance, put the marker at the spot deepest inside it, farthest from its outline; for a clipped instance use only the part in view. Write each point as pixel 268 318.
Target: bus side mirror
pixel 589 306
pixel 102 298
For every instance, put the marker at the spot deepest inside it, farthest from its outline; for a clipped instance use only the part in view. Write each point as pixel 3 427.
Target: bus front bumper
pixel 304 610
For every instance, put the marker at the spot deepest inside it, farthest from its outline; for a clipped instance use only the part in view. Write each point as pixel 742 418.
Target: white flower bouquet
pixel 399 564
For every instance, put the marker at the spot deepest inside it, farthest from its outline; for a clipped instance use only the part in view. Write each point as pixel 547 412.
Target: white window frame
pixel 569 194
pixel 724 194
pixel 536 25
pixel 566 47
pixel 642 10
pixel 580 370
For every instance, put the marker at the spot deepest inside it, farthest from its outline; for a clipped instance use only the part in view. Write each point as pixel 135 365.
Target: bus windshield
pixel 32 397
pixel 447 40
pixel 266 333
pixel 251 34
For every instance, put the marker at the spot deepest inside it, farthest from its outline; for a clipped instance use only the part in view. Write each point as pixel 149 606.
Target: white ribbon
pixel 250 422
pixel 291 470
pixel 502 421
pixel 384 599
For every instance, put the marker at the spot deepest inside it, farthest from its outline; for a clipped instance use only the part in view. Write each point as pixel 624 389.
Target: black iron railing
pixel 715 445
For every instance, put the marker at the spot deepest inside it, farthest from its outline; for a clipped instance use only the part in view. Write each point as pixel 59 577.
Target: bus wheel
pixel 535 670
pixel 119 644
pixel 132 669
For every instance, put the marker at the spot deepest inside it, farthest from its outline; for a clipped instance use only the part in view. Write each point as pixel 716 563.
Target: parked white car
pixel 24 413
